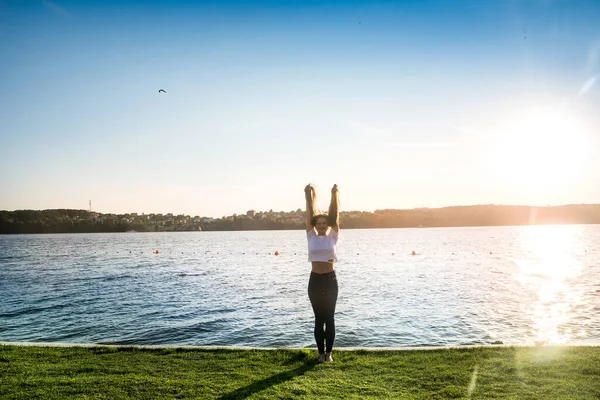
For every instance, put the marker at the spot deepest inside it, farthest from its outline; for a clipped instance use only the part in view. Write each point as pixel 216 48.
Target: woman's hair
pixel 332 218
pixel 316 218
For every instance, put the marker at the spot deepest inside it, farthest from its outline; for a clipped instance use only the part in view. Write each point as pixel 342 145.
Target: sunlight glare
pixel 541 148
pixel 473 382
pixel 546 270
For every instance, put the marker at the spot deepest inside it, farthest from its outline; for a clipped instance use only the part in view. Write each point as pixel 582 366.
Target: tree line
pixel 82 221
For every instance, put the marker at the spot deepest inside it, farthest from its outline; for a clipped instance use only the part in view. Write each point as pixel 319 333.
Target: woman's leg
pixel 330 301
pixel 317 300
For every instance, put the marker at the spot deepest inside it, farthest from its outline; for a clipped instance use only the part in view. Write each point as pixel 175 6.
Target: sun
pixel 541 148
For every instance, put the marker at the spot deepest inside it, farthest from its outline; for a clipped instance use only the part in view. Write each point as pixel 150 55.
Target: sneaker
pixel 328 357
pixel 321 357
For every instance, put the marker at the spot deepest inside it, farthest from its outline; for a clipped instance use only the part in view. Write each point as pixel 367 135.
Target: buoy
pixel 413 253
pixel 155 251
pixel 276 253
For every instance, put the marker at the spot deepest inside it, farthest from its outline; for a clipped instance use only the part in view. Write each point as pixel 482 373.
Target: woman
pixel 322 286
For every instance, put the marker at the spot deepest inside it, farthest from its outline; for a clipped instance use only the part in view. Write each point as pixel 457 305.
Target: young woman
pixel 322 286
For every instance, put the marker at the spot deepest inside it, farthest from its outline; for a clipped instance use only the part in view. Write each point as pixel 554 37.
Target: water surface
pixel 518 285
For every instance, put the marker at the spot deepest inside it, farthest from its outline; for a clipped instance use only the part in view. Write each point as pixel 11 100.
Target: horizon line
pixel 345 211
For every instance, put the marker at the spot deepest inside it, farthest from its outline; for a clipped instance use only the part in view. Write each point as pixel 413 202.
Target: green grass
pixel 127 372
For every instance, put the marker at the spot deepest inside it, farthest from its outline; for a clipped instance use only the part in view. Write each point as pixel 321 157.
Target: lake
pixel 463 286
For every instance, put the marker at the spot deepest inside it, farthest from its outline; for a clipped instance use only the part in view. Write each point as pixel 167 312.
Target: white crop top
pixel 322 248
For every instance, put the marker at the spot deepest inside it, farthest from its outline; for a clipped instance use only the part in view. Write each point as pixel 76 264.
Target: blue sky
pixel 402 104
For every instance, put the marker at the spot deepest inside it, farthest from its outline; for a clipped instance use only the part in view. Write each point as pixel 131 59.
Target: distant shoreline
pixel 297 229
pixel 82 221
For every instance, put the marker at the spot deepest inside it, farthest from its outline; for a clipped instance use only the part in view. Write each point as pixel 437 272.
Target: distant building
pixel 251 213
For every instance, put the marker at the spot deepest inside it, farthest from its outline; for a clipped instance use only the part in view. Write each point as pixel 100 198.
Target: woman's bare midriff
pixel 321 267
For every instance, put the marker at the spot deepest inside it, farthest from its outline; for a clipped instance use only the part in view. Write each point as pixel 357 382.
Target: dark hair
pixel 316 218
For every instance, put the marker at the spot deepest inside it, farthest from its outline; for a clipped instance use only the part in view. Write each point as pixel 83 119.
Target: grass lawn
pixel 163 373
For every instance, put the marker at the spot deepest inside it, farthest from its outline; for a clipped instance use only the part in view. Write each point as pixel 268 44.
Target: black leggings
pixel 323 293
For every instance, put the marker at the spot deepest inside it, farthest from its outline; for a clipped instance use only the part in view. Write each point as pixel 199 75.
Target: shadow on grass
pixel 266 383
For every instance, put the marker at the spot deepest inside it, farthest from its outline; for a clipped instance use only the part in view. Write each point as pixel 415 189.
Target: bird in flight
pixel 161 90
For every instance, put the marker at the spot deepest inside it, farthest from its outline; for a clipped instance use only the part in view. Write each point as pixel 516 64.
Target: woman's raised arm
pixel 334 216
pixel 311 197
